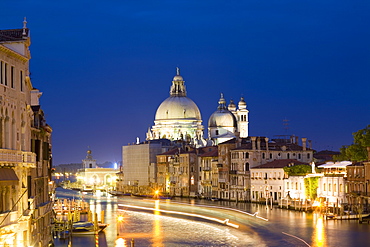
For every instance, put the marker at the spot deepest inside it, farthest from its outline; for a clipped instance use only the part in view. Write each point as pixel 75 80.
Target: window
pixel 6 74
pixel 288 155
pixel 216 132
pixel 299 156
pixel 287 185
pixel 263 155
pixel 340 187
pixel 329 187
pixel 335 188
pixel 12 77
pixel 308 156
pixel 247 166
pixel 324 187
pixel 270 155
pixel 21 80
pixel 1 72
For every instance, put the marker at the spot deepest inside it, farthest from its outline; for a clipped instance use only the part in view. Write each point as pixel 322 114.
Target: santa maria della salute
pixel 178 118
pixel 177 159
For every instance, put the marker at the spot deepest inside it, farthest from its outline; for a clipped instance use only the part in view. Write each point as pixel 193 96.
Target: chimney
pixel 296 140
pixel 304 143
pixel 253 138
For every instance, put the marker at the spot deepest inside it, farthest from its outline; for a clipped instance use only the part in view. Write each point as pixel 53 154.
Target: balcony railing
pixel 15 156
pixel 6 219
pixel 233 172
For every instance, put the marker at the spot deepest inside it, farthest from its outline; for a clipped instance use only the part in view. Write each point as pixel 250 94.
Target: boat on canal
pixel 87 228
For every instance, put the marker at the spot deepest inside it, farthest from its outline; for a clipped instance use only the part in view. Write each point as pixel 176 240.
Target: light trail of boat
pixel 224 208
pixel 290 235
pixel 225 222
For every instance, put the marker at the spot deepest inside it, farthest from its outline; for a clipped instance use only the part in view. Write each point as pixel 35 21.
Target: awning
pixel 8 177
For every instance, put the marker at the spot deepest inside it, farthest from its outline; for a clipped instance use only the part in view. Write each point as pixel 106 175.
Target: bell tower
pixel 89 162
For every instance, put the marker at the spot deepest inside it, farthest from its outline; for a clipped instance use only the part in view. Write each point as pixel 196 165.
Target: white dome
pixel 222 118
pixel 178 107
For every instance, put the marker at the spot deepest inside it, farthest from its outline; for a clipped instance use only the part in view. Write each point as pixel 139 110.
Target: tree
pixel 311 184
pixel 357 151
pixel 298 170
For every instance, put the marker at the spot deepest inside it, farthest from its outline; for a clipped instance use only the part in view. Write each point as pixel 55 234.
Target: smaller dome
pixel 242 104
pixel 231 106
pixel 222 118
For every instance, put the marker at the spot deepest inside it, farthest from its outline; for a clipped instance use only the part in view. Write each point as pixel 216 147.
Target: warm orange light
pixel 120 218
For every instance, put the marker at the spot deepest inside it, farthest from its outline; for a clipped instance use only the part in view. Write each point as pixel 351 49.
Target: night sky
pixel 105 66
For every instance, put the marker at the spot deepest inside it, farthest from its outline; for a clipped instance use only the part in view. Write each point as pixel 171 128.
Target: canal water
pixel 281 227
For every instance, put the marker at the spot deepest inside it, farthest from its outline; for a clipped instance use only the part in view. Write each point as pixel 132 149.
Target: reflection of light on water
pixel 319 232
pixel 157 236
pixel 120 242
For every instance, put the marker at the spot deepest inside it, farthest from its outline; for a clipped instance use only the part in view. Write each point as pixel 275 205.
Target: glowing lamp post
pixel 156 194
pixel 120 220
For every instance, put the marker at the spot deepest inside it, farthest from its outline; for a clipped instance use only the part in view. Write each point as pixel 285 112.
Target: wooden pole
pixel 102 216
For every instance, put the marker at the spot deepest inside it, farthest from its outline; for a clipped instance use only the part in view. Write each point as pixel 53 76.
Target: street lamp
pixel 266 194
pixel 120 220
pixel 156 194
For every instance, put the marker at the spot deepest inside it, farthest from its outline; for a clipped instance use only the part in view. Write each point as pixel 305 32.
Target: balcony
pixel 207 169
pixel 219 165
pixel 233 172
pixel 14 156
pixel 6 219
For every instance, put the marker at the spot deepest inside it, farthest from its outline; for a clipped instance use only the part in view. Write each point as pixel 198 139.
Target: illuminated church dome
pixel 178 117
pixel 222 125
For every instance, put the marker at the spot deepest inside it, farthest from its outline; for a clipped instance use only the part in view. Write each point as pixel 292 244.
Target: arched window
pixel 247 166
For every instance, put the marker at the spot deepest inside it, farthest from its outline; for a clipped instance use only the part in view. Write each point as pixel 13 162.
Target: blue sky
pixel 105 66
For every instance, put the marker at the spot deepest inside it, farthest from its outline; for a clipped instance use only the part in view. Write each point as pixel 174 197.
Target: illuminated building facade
pixel 270 182
pixel 139 165
pixel 25 149
pixel 91 177
pixel 237 156
pixel 332 183
pixel 208 173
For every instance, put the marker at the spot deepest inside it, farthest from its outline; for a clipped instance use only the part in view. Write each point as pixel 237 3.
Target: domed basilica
pixel 179 118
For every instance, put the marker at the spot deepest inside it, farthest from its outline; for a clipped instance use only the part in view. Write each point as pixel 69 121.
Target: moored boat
pixel 86 228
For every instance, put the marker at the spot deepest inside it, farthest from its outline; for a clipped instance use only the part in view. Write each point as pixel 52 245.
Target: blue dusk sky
pixel 105 66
